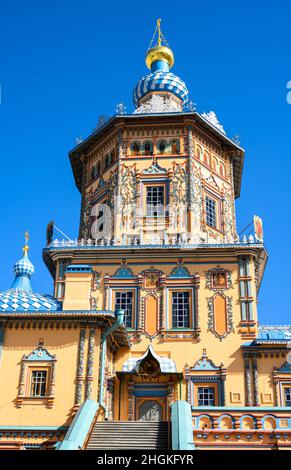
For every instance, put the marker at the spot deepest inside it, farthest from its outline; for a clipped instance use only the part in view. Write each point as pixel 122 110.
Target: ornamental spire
pixel 23 269
pixel 159 57
pixel 26 247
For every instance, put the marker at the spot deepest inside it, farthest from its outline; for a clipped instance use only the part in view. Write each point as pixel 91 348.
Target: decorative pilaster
pixel 162 319
pixel 106 292
pixel 80 368
pixel 21 389
pixel 222 384
pixel 247 366
pixel 140 312
pixel 130 401
pixel 255 381
pixel 171 391
pixel 196 281
pixel 110 390
pixel 90 364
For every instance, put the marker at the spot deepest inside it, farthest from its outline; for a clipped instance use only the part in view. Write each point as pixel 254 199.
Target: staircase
pixel 111 435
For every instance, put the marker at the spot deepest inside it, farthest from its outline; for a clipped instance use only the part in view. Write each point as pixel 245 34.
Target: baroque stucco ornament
pixel 158 104
pixel 211 316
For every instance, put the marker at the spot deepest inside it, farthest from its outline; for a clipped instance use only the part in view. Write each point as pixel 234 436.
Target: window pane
pixel 180 310
pixel 210 207
pixel 123 301
pixel 205 396
pixel 38 383
pixel 155 201
pixel 287 392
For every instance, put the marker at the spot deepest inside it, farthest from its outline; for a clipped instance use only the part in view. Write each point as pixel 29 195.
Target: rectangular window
pixel 124 301
pixel 155 201
pixel 180 310
pixel 287 393
pixel 38 383
pixel 210 208
pixel 205 396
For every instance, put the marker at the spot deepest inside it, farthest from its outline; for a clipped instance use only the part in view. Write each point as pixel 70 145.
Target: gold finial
pixel 159 52
pixel 26 247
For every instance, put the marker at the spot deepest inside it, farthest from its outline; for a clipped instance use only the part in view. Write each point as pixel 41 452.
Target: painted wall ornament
pixel 218 279
pixel 220 315
pixel 179 182
pixel 158 104
pixel 128 192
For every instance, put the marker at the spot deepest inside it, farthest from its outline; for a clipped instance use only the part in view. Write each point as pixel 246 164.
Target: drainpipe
pixel 118 322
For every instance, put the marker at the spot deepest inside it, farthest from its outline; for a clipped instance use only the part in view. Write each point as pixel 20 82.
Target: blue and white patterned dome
pixel 20 300
pixel 161 81
pixel 23 267
pixel 20 297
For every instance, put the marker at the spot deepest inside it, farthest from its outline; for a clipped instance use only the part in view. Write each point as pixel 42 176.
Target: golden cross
pixel 159 31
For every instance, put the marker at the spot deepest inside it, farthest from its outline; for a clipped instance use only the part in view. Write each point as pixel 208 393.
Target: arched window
pixel 175 146
pixel 206 158
pixel 222 169
pixel 214 164
pixel 95 171
pixel 107 161
pixel 135 148
pixel 199 152
pixel 148 148
pixel 162 145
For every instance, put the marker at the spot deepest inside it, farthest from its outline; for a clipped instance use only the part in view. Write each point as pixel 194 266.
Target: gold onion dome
pixel 159 53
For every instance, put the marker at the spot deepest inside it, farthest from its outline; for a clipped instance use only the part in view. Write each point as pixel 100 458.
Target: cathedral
pixel 151 339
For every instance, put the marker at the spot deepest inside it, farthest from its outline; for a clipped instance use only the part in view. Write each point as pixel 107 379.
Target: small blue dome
pixel 20 297
pixel 23 267
pixel 161 81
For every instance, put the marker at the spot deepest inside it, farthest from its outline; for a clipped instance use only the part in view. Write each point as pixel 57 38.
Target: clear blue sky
pixel 64 63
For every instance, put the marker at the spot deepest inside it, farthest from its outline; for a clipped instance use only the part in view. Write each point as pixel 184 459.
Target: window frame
pixel 216 198
pixel 153 183
pixel 170 291
pixel 285 388
pixel 203 388
pixel 38 370
pixel 117 290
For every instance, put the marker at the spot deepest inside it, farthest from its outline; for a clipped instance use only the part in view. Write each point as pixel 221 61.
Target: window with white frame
pixel 38 383
pixel 124 301
pixel 287 393
pixel 210 211
pixel 180 309
pixel 205 396
pixel 155 200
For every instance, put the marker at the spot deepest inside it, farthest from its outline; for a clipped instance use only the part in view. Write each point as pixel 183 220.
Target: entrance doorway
pixel 150 410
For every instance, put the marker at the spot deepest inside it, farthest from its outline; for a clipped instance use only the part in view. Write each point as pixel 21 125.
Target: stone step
pixel 128 435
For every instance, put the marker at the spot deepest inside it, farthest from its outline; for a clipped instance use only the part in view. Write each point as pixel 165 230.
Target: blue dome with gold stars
pixel 20 297
pixel 159 60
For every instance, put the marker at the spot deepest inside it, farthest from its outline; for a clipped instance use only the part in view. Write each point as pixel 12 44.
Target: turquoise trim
pixel 123 273
pixel 40 354
pixel 182 432
pixel 80 426
pixel 180 272
pixel 79 268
